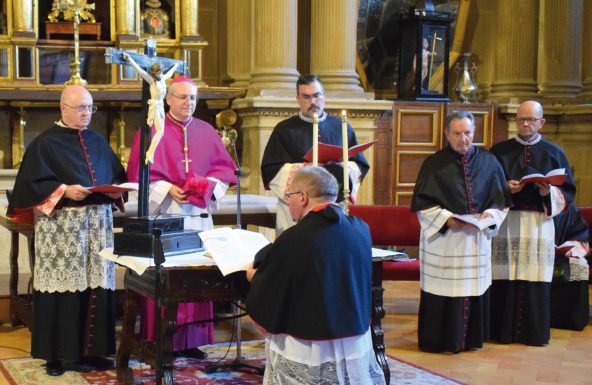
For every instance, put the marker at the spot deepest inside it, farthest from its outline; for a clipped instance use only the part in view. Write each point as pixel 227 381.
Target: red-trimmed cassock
pixel 524 251
pixel 73 287
pixel 455 264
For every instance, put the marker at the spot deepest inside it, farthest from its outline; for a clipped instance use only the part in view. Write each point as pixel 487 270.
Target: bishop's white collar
pixel 309 120
pixel 526 143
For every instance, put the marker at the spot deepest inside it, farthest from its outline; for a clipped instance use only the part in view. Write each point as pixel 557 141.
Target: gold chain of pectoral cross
pixel 186 159
pixel 185 148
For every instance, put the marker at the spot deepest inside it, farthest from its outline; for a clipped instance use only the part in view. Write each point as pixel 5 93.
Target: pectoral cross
pixel 115 56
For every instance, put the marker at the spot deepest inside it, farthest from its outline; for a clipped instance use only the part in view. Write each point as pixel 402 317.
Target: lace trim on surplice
pixel 67 246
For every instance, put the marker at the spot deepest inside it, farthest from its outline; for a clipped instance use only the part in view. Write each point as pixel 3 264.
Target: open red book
pixel 332 153
pixel 112 188
pixel 554 177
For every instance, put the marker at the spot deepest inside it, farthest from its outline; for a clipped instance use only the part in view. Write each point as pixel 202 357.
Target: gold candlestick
pixel 75 10
pixel 122 139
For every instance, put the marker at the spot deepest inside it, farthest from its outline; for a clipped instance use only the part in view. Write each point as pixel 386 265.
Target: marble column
pixel 333 45
pixel 586 94
pixel 560 48
pixel 22 20
pixel 274 69
pixel 516 47
pixel 481 15
pixel 125 14
pixel 189 18
pixel 238 34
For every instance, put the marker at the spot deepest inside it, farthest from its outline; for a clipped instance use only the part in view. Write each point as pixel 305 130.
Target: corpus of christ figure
pixel 158 89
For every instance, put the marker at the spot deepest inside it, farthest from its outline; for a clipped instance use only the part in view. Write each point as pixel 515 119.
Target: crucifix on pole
pixel 153 92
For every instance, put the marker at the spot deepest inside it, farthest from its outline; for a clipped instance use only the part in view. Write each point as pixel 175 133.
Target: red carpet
pixel 28 371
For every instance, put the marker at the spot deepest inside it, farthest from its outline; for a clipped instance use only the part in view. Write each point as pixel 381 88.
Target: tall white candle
pixel 345 152
pixel 315 139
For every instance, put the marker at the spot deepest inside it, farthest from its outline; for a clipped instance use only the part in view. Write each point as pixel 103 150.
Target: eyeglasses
pixel 316 96
pixel 184 98
pixel 527 120
pixel 289 194
pixel 80 109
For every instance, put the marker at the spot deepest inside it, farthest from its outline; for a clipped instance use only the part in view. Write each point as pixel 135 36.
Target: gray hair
pixel 459 115
pixel 316 182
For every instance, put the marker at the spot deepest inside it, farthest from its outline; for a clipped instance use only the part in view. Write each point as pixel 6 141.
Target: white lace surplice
pixel 67 246
pixel 525 246
pixel 291 361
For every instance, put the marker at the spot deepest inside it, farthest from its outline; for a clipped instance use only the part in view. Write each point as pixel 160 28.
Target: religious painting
pixel 379 43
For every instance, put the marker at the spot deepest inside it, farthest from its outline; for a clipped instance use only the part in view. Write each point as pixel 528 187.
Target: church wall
pixel 554 68
pixel 212 27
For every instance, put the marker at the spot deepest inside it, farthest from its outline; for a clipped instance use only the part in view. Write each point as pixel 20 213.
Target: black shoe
pixel 192 353
pixel 54 368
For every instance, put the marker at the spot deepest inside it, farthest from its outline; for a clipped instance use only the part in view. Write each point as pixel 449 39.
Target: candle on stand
pixel 315 139
pixel 345 156
pixel 22 124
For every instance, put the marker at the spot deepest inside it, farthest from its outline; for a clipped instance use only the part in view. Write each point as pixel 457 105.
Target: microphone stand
pixel 238 364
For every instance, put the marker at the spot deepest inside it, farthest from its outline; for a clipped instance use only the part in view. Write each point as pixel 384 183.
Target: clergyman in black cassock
pixel 524 249
pixel 73 287
pixel 455 257
pixel 292 138
pixel 311 294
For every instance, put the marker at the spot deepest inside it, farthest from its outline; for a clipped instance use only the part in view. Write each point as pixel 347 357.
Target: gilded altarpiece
pixel 36 51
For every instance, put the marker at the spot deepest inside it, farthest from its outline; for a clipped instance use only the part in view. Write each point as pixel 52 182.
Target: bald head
pixel 76 107
pixel 529 119
pixel 532 105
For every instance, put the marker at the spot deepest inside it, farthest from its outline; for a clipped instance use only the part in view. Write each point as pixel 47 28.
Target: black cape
pixel 519 160
pixel 466 184
pixel 570 302
pixel 314 282
pixel 65 156
pixel 570 226
pixel 292 138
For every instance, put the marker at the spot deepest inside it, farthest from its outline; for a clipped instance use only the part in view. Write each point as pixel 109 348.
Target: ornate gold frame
pixel 462 16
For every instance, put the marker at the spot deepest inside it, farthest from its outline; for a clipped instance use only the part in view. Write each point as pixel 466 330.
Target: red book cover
pixel 554 177
pixel 332 153
pixel 111 188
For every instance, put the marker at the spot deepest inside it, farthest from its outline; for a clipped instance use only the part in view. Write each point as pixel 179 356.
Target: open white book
pixel 232 249
pixel 554 177
pixel 395 255
pixel 473 219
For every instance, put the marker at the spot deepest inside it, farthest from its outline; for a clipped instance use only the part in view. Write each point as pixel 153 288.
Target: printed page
pixel 474 220
pixel 232 249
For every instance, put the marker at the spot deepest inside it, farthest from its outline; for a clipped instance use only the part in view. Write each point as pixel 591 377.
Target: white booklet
pixel 232 249
pixel 473 219
pixel 394 255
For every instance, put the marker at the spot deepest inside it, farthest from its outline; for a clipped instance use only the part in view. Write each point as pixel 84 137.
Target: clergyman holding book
pixel 457 182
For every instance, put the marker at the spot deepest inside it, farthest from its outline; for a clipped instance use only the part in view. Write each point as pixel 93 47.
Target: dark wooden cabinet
pixel 415 132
